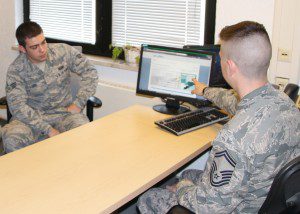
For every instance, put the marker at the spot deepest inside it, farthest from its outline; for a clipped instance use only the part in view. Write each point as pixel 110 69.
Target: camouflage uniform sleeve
pixel 88 75
pixel 223 98
pixel 222 185
pixel 17 101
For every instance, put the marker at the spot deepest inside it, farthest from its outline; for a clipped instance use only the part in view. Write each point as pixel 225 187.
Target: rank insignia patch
pixel 221 169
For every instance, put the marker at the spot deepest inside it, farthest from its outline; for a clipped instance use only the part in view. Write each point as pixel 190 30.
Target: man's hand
pixel 172 188
pixel 73 109
pixel 180 184
pixel 198 87
pixel 53 132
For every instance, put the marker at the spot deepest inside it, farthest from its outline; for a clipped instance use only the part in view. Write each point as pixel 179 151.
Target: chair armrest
pixel 93 102
pixel 3 102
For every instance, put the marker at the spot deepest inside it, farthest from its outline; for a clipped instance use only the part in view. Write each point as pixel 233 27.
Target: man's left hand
pixel 73 109
pixel 172 188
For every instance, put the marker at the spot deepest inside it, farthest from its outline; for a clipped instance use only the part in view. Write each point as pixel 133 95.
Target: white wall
pixel 286 35
pixel 232 11
pixel 7 38
pixel 280 17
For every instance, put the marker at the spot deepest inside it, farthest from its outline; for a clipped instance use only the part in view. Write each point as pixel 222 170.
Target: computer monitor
pixel 168 72
pixel 216 77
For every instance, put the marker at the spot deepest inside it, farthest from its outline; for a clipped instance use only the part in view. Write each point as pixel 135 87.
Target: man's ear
pixel 22 49
pixel 232 67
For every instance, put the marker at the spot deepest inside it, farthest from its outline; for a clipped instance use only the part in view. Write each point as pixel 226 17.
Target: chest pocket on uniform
pixel 61 74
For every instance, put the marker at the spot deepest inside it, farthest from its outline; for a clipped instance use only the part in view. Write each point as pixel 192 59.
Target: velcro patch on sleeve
pixel 222 169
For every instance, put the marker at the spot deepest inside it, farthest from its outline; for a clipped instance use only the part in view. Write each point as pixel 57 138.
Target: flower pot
pixel 132 55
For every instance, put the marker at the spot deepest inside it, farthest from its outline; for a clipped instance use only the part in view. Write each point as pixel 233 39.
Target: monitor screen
pixel 216 77
pixel 168 72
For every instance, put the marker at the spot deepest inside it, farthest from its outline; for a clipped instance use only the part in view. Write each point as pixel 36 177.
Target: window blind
pixel 168 22
pixel 66 20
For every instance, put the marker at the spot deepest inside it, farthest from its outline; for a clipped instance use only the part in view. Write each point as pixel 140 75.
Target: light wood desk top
pixel 98 167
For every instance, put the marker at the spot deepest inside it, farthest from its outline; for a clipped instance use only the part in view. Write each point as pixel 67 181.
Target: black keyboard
pixel 192 120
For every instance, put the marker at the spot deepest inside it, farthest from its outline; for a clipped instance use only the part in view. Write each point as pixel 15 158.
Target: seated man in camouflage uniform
pixel 38 89
pixel 252 147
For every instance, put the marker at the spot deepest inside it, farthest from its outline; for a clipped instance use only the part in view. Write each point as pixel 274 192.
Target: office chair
pixel 284 195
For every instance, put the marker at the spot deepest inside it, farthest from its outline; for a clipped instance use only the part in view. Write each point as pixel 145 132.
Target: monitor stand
pixel 172 107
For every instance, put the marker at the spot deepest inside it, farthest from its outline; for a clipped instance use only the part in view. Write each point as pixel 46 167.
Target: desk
pixel 98 167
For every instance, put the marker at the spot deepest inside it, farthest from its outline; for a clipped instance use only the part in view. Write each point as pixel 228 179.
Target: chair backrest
pixel 284 195
pixel 292 91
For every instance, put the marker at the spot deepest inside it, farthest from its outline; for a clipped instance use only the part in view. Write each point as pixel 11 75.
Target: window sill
pixel 108 62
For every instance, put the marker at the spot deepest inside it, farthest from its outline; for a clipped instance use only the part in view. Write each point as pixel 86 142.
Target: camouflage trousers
pixel 17 135
pixel 159 200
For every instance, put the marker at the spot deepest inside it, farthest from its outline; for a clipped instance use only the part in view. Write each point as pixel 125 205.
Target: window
pixel 76 22
pixel 95 24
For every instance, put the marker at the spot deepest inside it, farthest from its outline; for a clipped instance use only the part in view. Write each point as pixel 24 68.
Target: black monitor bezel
pixel 165 95
pixel 220 82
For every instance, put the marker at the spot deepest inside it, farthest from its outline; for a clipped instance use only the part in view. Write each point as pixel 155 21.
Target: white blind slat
pixel 169 22
pixel 66 20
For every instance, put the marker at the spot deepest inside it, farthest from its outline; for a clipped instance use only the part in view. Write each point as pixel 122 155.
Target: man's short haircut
pixel 248 44
pixel 27 30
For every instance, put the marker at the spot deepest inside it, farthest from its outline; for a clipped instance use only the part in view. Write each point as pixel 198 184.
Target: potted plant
pixel 116 52
pixel 132 54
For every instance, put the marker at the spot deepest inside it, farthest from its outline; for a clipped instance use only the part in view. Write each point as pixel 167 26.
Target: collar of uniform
pixel 250 98
pixel 33 68
pixel 50 54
